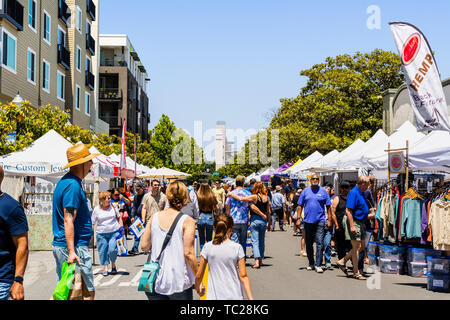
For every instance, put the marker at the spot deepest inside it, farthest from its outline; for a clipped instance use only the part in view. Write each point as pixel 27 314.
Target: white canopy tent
pixel 431 153
pixel 320 165
pixel 354 160
pixel 164 173
pixel 301 170
pixel 44 157
pixel 264 172
pixel 333 163
pixel 378 158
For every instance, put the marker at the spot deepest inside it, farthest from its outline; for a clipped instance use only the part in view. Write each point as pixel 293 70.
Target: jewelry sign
pixel 422 78
pixel 396 162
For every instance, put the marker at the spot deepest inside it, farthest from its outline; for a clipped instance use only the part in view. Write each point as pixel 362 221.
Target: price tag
pixel 438 283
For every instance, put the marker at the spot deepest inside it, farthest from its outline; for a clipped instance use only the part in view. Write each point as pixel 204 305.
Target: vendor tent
pixel 431 153
pixel 354 160
pixel 264 172
pixel 308 163
pixel 164 173
pixel 378 158
pixel 45 156
pixel 283 167
pixel 319 165
pixel 102 168
pixel 333 163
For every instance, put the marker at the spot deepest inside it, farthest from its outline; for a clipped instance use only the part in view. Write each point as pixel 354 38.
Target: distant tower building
pixel 221 142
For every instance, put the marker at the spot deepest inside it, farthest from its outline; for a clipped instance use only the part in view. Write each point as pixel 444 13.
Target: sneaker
pixel 319 270
pixel 328 266
pixel 304 254
pixel 131 253
pixel 105 273
pixel 309 268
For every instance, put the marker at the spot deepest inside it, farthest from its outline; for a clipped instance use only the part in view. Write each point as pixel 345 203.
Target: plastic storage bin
pixel 373 248
pixel 417 269
pixel 420 255
pixel 373 260
pixel 391 266
pixel 392 252
pixel 438 265
pixel 438 282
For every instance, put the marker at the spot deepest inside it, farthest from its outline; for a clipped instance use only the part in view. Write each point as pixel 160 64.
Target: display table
pixel 40 235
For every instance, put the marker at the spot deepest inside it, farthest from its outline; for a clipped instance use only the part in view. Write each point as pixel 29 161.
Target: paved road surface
pixel 283 277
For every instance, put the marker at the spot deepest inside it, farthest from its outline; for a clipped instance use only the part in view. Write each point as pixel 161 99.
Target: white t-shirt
pixel 106 219
pixel 223 278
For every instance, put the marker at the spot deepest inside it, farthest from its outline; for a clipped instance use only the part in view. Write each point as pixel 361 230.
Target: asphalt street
pixel 283 276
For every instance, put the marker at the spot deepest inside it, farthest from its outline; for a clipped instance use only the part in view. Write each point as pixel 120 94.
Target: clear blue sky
pixel 234 60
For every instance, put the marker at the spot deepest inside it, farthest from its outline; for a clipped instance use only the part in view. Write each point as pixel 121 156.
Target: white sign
pixel 422 78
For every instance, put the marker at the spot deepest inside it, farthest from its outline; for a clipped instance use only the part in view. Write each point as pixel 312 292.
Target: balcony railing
pixel 63 11
pixel 90 80
pixel 107 62
pixel 63 57
pixel 90 44
pixel 113 121
pixel 91 9
pixel 113 94
pixel 13 12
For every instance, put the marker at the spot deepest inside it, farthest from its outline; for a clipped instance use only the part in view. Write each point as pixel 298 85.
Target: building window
pixel 87 103
pixel 61 37
pixel 9 51
pixel 88 27
pixel 46 76
pixel 47 27
pixel 79 17
pixel 88 64
pixel 31 66
pixel 32 14
pixel 78 59
pixel 77 97
pixel 60 86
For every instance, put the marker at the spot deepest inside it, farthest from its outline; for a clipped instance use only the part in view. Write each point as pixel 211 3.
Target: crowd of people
pixel 221 214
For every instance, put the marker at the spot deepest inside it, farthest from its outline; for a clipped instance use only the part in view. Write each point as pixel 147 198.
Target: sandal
pixel 114 271
pixel 105 273
pixel 343 268
pixel 256 267
pixel 359 276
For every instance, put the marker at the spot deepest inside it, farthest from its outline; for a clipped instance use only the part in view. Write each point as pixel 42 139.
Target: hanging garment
pixel 440 224
pixel 411 218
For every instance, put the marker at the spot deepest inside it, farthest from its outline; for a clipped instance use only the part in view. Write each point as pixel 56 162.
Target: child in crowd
pixel 227 274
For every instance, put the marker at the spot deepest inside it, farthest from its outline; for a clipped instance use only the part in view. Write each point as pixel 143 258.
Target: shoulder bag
pixel 151 269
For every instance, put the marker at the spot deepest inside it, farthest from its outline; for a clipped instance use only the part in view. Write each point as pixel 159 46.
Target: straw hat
pixel 79 154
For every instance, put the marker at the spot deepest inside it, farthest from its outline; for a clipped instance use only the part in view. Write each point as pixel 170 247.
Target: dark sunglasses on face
pixel 315 179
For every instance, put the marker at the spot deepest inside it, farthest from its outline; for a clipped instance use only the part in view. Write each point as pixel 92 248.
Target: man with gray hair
pixel 357 212
pixel 13 246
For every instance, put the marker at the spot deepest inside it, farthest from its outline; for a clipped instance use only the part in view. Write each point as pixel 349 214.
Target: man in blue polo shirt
pixel 13 246
pixel 313 201
pixel 72 226
pixel 354 225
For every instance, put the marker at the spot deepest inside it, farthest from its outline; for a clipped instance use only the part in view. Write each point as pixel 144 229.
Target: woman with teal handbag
pixel 170 272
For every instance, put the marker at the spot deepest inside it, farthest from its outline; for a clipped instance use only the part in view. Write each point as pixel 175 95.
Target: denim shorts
pixel 61 254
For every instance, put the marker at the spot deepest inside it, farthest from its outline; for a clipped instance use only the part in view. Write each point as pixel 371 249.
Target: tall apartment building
pixel 123 90
pixel 47 55
pixel 224 148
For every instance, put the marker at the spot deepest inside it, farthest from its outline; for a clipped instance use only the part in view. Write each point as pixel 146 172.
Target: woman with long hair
pixel 226 259
pixel 207 205
pixel 259 215
pixel 178 264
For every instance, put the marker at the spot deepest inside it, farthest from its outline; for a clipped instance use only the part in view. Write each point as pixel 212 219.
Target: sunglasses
pixel 315 179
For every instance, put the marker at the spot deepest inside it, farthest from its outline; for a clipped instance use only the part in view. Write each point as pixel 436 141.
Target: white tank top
pixel 174 274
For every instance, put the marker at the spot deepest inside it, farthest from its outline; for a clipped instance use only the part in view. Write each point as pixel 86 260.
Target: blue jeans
pixel 61 254
pixel 327 245
pixel 314 233
pixel 4 290
pixel 107 247
pixel 362 253
pixel 136 245
pixel 205 228
pixel 239 235
pixel 258 228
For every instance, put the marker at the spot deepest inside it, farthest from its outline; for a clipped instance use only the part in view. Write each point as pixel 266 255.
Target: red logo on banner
pixel 411 48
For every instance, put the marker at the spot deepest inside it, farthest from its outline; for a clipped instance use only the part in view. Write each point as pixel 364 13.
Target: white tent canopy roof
pixel 164 173
pixel 431 152
pixel 378 159
pixel 351 149
pixel 306 164
pixel 326 158
pixel 354 160
pixel 45 156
